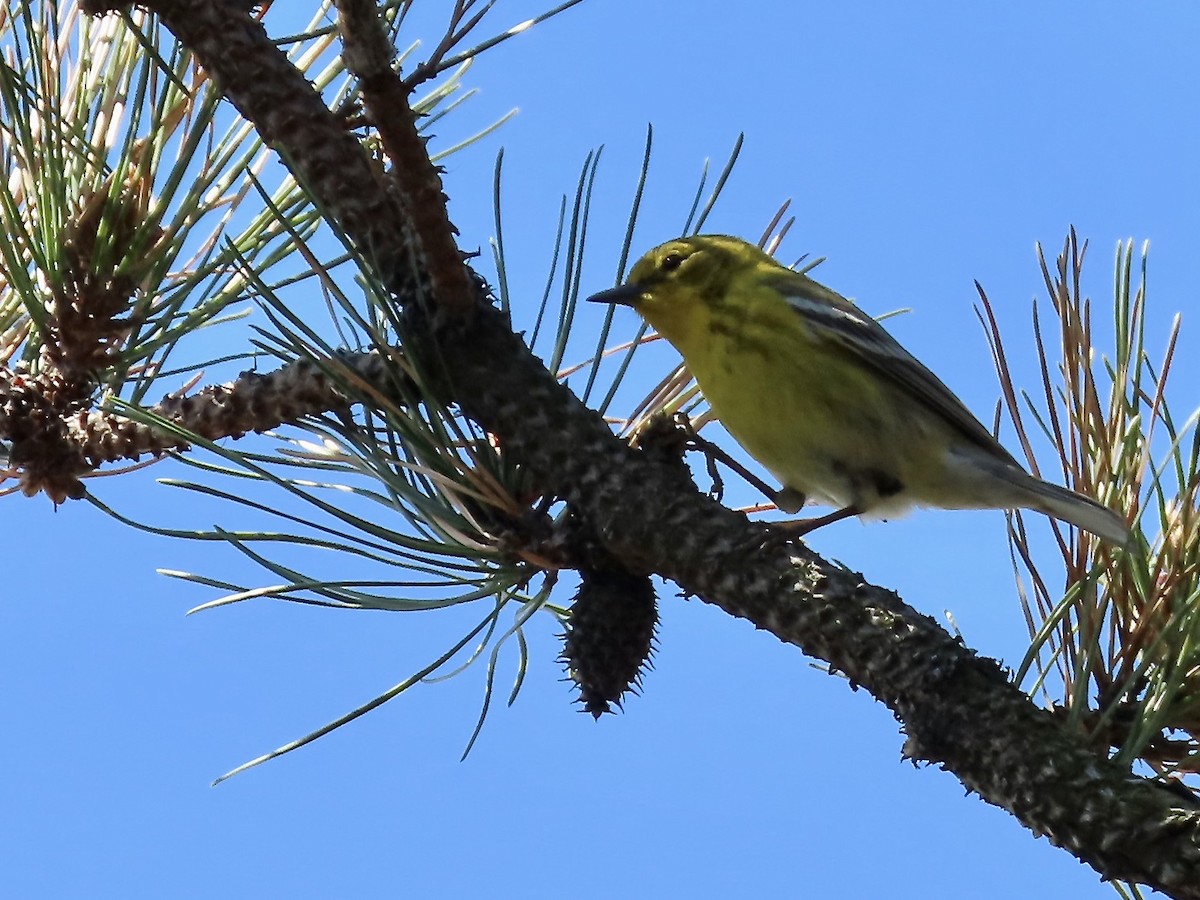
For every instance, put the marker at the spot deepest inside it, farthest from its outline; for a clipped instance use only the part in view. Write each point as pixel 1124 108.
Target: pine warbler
pixel 820 394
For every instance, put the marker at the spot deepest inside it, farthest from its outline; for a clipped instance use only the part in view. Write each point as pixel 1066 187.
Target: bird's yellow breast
pixel 799 405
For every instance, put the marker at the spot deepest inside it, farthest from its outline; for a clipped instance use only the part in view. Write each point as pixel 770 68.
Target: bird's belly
pixel 836 436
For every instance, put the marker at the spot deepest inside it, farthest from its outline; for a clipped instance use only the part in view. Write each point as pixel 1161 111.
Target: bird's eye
pixel 671 262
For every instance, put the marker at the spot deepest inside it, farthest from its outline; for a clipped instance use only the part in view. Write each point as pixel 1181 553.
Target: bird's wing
pixel 837 319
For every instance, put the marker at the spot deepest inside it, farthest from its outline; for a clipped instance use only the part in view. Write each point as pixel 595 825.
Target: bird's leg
pixel 786 499
pixel 779 534
pixel 801 527
pixel 711 454
pixel 714 454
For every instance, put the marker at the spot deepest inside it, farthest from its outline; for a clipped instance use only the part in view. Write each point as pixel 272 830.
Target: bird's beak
pixel 623 295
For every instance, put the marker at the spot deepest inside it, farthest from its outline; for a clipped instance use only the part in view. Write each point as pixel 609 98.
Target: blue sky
pixel 923 146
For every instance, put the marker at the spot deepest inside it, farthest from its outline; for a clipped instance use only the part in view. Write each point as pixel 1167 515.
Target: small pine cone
pixel 610 636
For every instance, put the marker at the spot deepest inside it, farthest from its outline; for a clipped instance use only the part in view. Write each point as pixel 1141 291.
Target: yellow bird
pixel 820 394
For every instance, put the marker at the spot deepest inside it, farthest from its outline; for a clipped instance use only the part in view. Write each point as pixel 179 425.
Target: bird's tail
pixel 1077 509
pixel 1008 486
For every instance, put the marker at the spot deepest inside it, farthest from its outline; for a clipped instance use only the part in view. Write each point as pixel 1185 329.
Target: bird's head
pixel 676 285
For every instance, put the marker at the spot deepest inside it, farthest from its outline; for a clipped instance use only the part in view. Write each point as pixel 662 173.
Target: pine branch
pixel 54 450
pixel 957 709
pixel 368 54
